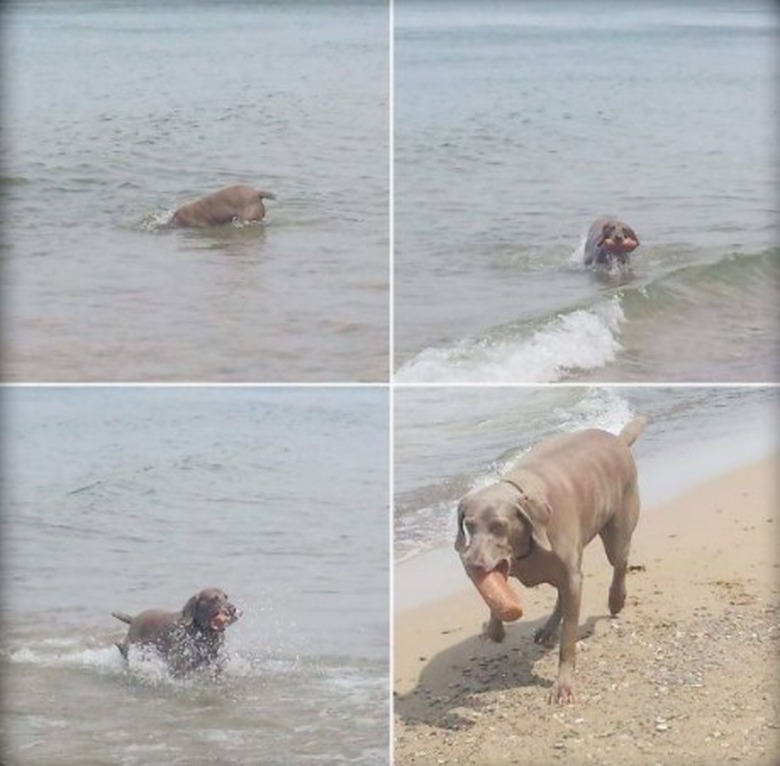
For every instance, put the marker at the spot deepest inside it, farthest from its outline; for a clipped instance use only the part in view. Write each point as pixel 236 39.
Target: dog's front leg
pixel 569 594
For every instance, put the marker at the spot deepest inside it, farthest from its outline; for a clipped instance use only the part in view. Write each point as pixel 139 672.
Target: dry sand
pixel 687 674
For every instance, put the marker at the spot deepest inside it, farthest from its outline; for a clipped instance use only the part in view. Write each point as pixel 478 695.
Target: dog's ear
pixel 188 613
pixel 606 232
pixel 630 232
pixel 535 510
pixel 460 538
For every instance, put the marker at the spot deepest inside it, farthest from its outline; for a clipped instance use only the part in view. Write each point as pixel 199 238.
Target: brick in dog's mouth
pixel 621 247
pixel 493 586
pixel 222 619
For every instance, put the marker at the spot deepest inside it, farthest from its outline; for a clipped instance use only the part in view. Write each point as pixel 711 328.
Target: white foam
pixel 580 340
pixel 577 257
pixel 62 653
pixel 602 408
pixel 145 665
pixel 157 221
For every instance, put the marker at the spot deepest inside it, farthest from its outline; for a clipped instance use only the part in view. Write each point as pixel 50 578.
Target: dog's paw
pixel 617 599
pixel 561 693
pixel 546 636
pixel 494 630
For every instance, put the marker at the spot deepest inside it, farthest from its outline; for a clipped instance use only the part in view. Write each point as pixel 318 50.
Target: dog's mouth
pixel 620 245
pixel 493 586
pixel 224 617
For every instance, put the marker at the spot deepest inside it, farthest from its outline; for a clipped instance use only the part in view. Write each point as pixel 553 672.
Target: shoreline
pixel 688 669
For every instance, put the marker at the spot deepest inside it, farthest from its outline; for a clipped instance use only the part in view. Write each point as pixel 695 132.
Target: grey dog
pixel 534 523
pixel 239 203
pixel 609 241
pixel 186 640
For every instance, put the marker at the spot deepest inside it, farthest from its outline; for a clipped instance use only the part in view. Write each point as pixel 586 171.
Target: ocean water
pixel 450 440
pixel 517 124
pixel 115 113
pixel 131 498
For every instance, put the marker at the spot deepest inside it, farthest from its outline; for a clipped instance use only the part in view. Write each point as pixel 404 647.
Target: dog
pixel 235 203
pixel 609 241
pixel 534 523
pixel 186 640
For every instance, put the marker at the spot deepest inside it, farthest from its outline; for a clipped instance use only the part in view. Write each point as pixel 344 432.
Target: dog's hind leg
pixel 616 536
pixel 546 634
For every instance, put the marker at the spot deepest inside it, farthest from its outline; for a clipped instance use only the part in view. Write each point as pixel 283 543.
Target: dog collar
pixel 531 545
pixel 529 551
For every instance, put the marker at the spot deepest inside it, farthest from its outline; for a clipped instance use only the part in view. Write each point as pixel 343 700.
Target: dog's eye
pixel 498 528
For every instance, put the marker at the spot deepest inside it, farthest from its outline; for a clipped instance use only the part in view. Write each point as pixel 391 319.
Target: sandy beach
pixel 688 672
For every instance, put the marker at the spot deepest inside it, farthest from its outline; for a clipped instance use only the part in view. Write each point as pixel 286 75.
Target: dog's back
pixel 591 469
pixel 243 203
pixel 153 627
pixel 581 448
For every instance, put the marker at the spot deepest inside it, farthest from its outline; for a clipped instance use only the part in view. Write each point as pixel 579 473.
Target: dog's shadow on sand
pixel 451 690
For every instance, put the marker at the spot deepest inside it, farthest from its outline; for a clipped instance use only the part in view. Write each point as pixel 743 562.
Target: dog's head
pixel 491 531
pixel 617 238
pixel 499 526
pixel 210 611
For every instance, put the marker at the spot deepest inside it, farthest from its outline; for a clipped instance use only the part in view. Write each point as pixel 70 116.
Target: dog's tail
pixel 122 616
pixel 265 194
pixel 633 429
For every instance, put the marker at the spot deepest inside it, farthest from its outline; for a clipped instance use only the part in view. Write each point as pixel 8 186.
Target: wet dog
pixel 609 241
pixel 235 203
pixel 186 640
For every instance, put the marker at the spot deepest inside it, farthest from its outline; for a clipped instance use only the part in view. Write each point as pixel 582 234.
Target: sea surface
pixel 517 124
pixel 131 498
pixel 116 113
pixel 448 441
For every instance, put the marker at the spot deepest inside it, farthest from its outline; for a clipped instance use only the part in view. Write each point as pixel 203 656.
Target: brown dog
pixel 609 241
pixel 535 522
pixel 186 640
pixel 235 203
